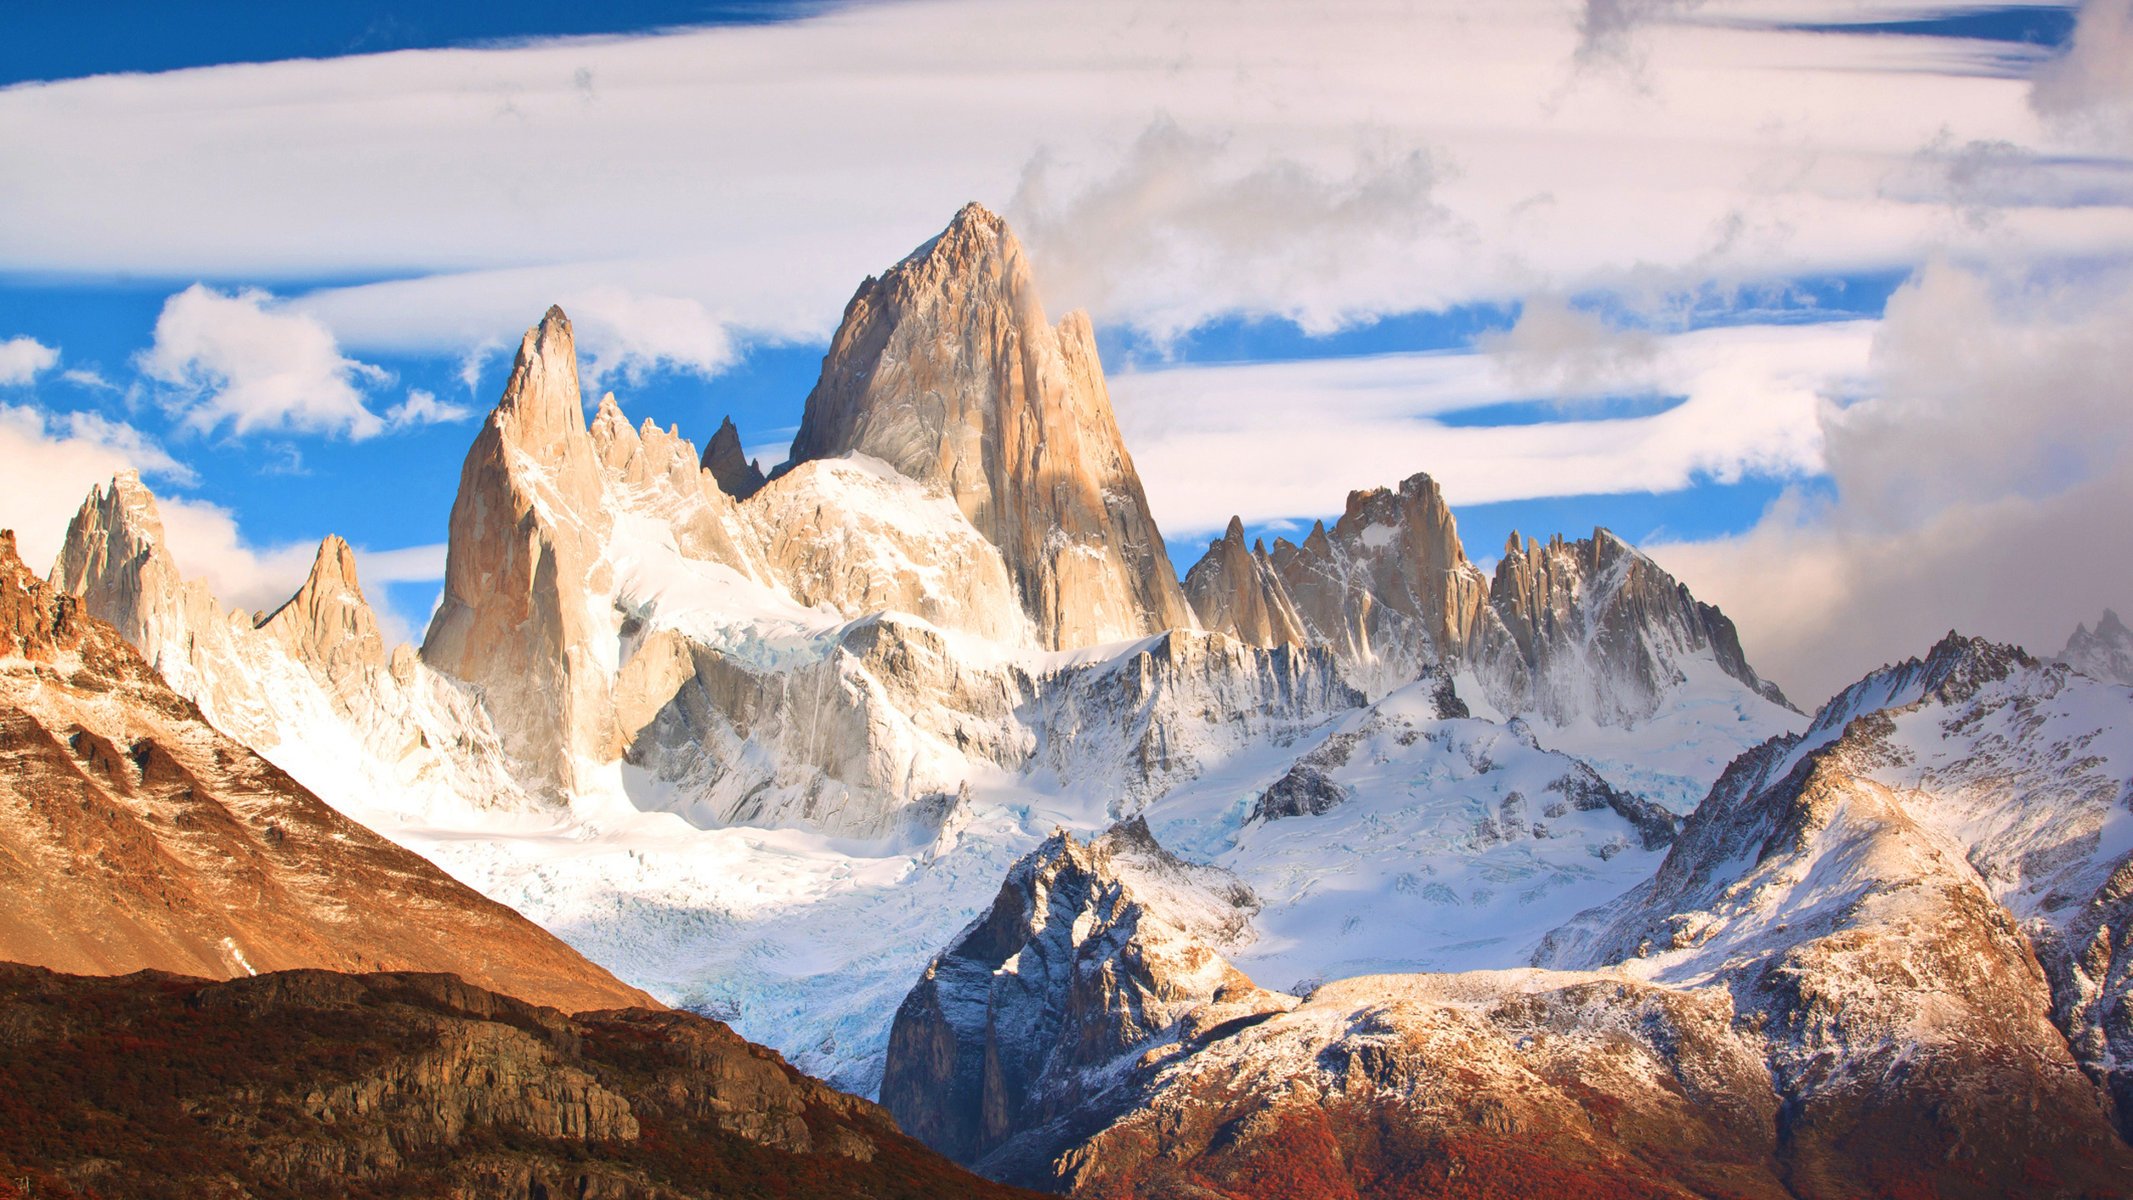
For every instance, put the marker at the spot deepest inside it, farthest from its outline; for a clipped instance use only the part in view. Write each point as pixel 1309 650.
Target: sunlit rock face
pixel 947 369
pixel 1587 630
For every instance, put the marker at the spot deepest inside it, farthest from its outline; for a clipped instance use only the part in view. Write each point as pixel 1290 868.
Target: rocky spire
pixel 524 559
pixel 736 475
pixel 1236 591
pixel 2104 653
pixel 328 625
pixel 947 369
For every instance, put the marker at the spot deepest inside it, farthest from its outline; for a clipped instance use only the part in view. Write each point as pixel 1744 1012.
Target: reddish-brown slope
pixel 133 836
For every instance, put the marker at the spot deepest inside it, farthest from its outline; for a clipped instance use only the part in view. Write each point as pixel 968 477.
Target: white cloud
pixel 423 408
pixel 2089 88
pixel 23 359
pixel 1397 160
pixel 241 359
pixel 53 460
pixel 1554 347
pixel 88 379
pixel 1980 483
pixel 1184 215
pixel 1290 440
pixel 409 564
pixel 628 334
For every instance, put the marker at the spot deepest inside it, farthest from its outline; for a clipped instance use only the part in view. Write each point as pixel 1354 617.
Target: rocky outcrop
pixel 1569 631
pixel 2105 652
pixel 1237 591
pixel 327 624
pixel 310 686
pixel 518 619
pixel 1825 882
pixel 1090 952
pixel 320 1084
pixel 736 474
pixel 139 837
pixel 1603 631
pixel 947 369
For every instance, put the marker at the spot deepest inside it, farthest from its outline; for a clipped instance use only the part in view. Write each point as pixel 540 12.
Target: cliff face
pixel 139 837
pixel 320 1084
pixel 1569 630
pixel 524 566
pixel 947 369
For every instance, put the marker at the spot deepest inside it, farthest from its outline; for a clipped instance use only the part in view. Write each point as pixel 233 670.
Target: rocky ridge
pixel 2105 652
pixel 1878 959
pixel 139 837
pixel 1564 631
pixel 320 1084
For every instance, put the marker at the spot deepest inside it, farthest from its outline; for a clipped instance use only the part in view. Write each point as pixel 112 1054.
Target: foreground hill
pixel 138 837
pixel 316 1084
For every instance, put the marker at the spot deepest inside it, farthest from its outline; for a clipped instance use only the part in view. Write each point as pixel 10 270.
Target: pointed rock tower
pixel 328 625
pixel 526 532
pixel 736 475
pixel 947 369
pixel 1236 591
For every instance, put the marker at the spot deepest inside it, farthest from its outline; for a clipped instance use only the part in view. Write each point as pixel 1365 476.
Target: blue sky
pixel 1755 284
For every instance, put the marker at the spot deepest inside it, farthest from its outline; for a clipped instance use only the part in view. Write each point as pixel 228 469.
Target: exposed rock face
pixel 947 369
pixel 318 1084
pixel 1090 951
pixel 2104 653
pixel 328 625
pixel 310 687
pixel 139 837
pixel 1602 630
pixel 1237 591
pixel 1825 991
pixel 1817 882
pixel 525 563
pixel 735 474
pixel 1484 1085
pixel 1572 630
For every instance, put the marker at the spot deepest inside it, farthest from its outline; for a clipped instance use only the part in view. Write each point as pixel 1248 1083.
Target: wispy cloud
pixel 1326 162
pixel 1290 440
pixel 423 408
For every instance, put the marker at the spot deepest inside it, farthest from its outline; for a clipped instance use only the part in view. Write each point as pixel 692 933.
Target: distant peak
pixel 2110 623
pixel 1235 532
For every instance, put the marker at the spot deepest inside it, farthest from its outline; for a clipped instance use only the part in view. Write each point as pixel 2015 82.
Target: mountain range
pixel 1340 867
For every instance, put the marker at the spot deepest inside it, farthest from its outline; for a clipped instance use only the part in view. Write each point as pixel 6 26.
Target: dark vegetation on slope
pixel 315 1084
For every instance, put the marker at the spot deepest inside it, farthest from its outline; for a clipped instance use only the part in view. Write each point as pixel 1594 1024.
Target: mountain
pixel 1969 808
pixel 141 838
pixel 310 1083
pixel 736 474
pixel 947 369
pixel 1880 958
pixel 766 756
pixel 309 686
pixel 1590 630
pixel 2105 653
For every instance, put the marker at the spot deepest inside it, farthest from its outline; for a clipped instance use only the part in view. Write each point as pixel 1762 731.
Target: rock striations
pixel 947 369
pixel 138 837
pixel 1566 631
